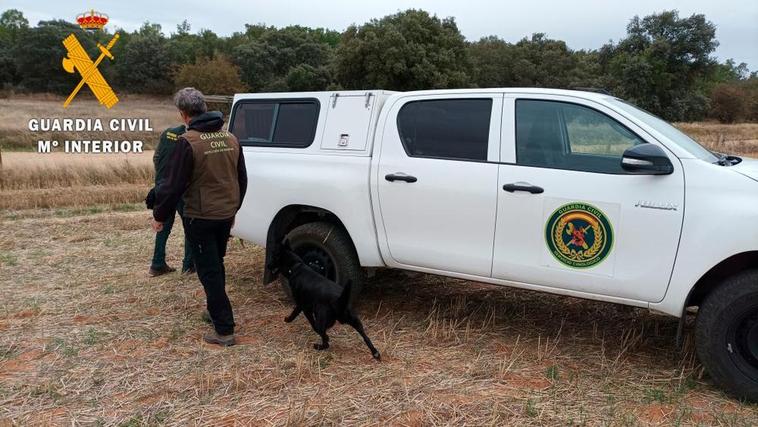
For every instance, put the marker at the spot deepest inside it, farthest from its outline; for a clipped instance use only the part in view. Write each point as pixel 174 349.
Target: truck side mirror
pixel 646 159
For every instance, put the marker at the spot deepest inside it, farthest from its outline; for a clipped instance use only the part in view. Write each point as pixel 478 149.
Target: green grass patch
pixel 8 259
pixel 61 346
pixel 8 352
pixel 656 395
pixel 552 373
pixel 92 337
pixel 70 212
pixel 530 409
pixel 176 333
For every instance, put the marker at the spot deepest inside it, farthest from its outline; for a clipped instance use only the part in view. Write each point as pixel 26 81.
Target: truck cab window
pixel 562 135
pixel 282 123
pixel 456 129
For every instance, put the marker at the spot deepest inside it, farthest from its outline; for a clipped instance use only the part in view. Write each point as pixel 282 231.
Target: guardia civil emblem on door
pixel 579 235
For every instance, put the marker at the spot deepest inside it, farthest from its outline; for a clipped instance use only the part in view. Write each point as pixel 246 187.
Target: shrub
pixel 216 76
pixel 728 103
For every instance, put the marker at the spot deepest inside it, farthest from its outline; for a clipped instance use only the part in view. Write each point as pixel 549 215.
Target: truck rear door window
pixel 456 129
pixel 276 123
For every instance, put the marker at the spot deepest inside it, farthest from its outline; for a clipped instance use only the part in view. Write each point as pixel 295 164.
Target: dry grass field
pixel 16 113
pixel 29 180
pixel 740 139
pixel 86 338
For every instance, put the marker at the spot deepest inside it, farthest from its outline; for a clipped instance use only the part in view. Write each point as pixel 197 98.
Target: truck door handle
pixel 399 176
pixel 523 186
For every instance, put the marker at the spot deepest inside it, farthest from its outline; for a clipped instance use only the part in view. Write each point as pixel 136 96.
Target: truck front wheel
pixel 327 249
pixel 726 335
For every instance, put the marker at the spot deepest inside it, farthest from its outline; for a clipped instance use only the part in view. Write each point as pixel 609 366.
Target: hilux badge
pixel 653 205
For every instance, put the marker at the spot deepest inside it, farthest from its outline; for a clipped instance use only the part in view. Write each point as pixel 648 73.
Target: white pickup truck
pixel 569 192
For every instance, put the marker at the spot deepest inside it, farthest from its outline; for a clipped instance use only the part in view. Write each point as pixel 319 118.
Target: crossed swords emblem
pixel 78 60
pixel 578 235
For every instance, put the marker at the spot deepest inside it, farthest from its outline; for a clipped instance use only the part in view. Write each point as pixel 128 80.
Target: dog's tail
pixel 344 298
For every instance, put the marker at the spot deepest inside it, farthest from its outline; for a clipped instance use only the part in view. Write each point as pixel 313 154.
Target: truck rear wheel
pixel 327 249
pixel 726 335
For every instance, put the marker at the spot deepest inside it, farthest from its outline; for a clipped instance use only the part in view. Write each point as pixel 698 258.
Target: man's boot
pixel 222 340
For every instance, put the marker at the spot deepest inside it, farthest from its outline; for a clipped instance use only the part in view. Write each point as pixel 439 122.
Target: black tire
pixel 726 335
pixel 327 248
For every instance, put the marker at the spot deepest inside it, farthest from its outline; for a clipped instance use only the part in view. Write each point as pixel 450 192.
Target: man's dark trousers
pixel 161 238
pixel 208 240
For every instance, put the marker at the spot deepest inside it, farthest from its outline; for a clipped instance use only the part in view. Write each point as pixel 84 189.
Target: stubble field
pixel 86 338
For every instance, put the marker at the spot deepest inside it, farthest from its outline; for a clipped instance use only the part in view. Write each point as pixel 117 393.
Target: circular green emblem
pixel 579 235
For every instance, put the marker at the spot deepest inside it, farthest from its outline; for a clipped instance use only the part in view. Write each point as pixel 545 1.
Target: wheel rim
pixel 317 259
pixel 744 336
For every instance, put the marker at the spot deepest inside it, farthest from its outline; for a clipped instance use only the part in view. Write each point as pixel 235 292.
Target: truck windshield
pixel 673 134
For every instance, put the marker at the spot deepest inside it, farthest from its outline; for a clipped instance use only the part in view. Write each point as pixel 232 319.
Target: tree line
pixel 664 64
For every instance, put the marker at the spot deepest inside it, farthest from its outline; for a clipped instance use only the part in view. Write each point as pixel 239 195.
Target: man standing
pixel 163 152
pixel 207 169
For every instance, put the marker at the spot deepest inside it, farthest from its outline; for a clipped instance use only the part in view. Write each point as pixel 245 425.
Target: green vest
pixel 165 150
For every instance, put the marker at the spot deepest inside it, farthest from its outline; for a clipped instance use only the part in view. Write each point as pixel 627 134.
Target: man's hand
pixel 157 226
pixel 234 219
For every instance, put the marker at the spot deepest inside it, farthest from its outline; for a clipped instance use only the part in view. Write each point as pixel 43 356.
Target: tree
pixel 209 44
pixel 307 78
pixel 8 72
pixel 38 54
pixel 406 51
pixel 492 61
pixel 663 64
pixel 750 86
pixel 182 45
pixel 211 76
pixel 12 25
pixel 728 103
pixel 186 48
pixel 544 62
pixel 12 22
pixel 269 54
pixel 144 65
pixel 532 62
pixel 729 71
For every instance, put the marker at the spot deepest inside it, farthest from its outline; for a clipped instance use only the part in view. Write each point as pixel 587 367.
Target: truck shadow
pixel 451 309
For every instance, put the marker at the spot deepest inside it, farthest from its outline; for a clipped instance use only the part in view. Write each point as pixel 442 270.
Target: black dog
pixel 322 301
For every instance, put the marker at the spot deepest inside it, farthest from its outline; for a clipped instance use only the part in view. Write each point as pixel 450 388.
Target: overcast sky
pixel 583 24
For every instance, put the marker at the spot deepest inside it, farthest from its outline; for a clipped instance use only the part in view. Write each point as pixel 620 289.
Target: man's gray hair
pixel 190 101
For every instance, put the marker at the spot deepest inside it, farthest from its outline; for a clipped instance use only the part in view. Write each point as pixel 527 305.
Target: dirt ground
pixel 86 338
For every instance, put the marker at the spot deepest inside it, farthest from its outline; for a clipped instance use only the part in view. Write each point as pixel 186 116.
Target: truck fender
pixel 288 218
pixel 710 281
